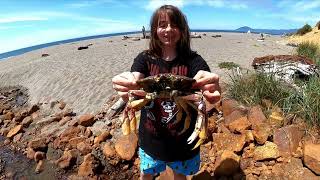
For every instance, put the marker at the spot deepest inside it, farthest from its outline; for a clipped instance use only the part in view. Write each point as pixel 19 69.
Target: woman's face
pixel 168 33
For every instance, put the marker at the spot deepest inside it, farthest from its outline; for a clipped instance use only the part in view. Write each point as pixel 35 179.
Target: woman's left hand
pixel 208 83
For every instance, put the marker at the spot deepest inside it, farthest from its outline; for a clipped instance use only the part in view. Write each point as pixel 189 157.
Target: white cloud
pixel 97 27
pixel 154 4
pixel 298 6
pixel 87 3
pixel 21 19
pixel 306 5
pixel 298 18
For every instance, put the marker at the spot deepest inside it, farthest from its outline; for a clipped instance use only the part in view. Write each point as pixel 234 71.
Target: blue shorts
pixel 149 165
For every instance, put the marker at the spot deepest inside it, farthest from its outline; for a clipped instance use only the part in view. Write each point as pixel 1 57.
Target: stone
pixel 64 120
pixel 68 158
pixel 231 142
pixel 17 137
pixel 126 146
pixel 311 156
pixel 249 136
pixel 76 140
pixel 33 108
pixel 30 153
pixel 39 167
pixel 287 139
pixel 276 118
pixel 86 120
pixel 239 125
pixel 70 132
pixel 261 132
pixel 102 137
pixel 26 121
pixel 38 144
pixel 9 116
pixel 88 166
pixel 227 163
pixel 108 150
pixel 228 106
pixel 14 131
pixel 268 151
pixel 62 105
pixel 84 148
pixel 256 116
pixel 39 156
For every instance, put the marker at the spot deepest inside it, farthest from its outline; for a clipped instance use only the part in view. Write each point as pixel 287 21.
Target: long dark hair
pixel 179 19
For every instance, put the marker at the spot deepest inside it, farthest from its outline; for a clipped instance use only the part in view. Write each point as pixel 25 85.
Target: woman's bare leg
pixel 145 176
pixel 177 176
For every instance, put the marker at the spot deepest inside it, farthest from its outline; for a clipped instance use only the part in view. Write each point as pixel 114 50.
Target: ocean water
pixel 5 55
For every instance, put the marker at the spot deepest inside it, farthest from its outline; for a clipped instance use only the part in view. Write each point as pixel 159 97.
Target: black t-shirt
pixel 158 134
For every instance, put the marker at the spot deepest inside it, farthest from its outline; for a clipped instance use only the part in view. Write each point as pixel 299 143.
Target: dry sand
pixel 83 78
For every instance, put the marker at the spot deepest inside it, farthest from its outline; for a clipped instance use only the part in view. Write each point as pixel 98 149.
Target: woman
pixel 169 51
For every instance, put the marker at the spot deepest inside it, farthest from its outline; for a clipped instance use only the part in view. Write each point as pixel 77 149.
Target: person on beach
pixel 143 32
pixel 169 51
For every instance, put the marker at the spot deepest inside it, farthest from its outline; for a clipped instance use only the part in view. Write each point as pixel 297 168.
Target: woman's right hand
pixel 126 81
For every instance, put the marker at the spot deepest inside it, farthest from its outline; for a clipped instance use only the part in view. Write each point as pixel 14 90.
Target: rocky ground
pixel 243 143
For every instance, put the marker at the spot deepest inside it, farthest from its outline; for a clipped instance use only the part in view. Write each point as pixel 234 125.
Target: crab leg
pixel 129 118
pixel 180 110
pixel 187 120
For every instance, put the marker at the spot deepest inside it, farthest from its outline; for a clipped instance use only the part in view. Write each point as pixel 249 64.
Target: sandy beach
pixel 82 78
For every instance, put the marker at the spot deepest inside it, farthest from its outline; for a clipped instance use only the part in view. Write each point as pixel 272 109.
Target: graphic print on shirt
pixel 155 69
pixel 168 111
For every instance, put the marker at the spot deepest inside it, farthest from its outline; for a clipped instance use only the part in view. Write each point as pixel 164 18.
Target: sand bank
pixel 82 78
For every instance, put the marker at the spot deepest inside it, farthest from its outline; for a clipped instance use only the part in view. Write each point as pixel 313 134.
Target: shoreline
pixel 17 52
pixel 82 78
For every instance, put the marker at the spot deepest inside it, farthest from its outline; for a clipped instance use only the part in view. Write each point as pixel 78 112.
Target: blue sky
pixel 25 23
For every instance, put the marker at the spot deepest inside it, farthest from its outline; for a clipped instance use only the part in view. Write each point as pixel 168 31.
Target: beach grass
pixel 228 65
pixel 310 50
pixel 253 88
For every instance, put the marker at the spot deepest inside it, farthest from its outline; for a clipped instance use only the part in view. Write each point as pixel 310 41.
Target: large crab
pixel 177 88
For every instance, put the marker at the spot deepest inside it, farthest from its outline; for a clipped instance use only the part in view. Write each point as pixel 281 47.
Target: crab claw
pixel 200 127
pixel 125 123
pixel 133 121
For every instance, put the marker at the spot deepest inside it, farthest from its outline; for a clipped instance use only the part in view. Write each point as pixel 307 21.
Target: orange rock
pixel 39 167
pixel 126 146
pixel 14 131
pixel 68 158
pixel 227 163
pixel 102 137
pixel 256 116
pixel 84 148
pixel 261 132
pixel 287 139
pixel 232 142
pixel 38 144
pixel 39 156
pixel 88 167
pixel 108 150
pixel 86 120
pixel 311 157
pixel 228 106
pixel 9 116
pixel 76 140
